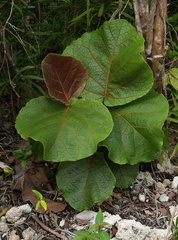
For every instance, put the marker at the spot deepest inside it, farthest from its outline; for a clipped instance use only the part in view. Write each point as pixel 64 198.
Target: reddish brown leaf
pixel 35 179
pixel 114 230
pixel 64 76
pixel 164 211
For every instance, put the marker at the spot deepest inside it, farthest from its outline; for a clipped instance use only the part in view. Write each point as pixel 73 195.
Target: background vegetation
pixel 29 30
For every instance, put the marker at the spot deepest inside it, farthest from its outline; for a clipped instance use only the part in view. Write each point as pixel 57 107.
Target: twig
pixel 137 17
pixel 171 63
pixel 124 8
pixel 54 218
pixel 153 171
pixel 10 14
pixel 3 33
pixel 157 212
pixel 49 229
pixel 117 10
pixel 173 29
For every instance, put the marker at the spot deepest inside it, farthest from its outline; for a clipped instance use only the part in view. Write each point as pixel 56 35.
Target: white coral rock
pixel 166 165
pixel 29 234
pixel 3 227
pixel 13 236
pixel 87 215
pixel 146 175
pixel 14 214
pixel 111 219
pixel 174 213
pixel 142 197
pixel 175 182
pixel 160 188
pixel 133 230
pixel 163 198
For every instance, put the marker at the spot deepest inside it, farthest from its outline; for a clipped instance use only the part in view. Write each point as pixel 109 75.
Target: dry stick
pixel 54 219
pixel 124 8
pixel 173 29
pixel 137 17
pixel 117 10
pixel 3 33
pixel 171 63
pixel 48 229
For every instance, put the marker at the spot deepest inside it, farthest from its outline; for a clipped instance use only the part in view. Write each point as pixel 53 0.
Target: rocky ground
pixel 146 210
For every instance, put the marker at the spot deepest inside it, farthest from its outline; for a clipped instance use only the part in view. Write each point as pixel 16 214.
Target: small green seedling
pixel 6 168
pixel 23 155
pixel 95 231
pixel 40 202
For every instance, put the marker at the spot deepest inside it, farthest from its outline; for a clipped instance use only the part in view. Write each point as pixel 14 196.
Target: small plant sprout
pixel 95 231
pixel 40 202
pixel 6 168
pixel 23 155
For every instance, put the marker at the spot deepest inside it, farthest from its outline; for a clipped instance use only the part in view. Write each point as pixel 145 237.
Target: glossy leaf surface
pixel 64 76
pixel 67 133
pixel 117 72
pixel 137 135
pixel 85 182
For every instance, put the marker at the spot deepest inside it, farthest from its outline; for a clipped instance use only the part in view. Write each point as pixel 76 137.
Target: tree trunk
pixel 150 17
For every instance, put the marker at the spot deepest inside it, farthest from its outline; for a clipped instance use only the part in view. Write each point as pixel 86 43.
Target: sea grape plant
pixel 101 118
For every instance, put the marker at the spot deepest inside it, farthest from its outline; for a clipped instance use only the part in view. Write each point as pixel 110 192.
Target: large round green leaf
pixel 85 182
pixel 117 72
pixel 67 133
pixel 137 135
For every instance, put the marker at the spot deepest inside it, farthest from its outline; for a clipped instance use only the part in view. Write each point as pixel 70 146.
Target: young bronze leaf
pixel 117 73
pixel 64 76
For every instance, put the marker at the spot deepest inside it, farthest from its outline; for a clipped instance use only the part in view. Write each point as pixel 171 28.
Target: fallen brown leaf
pixel 164 211
pixel 36 179
pixel 172 195
pixel 3 212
